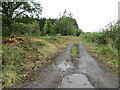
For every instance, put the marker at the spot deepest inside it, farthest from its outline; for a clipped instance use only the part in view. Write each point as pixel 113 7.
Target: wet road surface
pixel 75 81
pixel 64 74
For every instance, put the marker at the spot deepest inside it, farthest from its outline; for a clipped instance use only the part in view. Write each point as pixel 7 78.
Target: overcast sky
pixel 91 15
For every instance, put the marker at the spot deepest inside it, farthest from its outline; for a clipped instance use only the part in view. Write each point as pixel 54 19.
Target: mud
pixel 51 75
pixel 63 73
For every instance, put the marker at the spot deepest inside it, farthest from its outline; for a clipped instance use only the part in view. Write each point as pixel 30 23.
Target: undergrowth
pixel 103 53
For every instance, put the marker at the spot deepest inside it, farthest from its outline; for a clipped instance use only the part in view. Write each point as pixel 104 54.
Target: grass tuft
pixel 41 43
pixel 74 51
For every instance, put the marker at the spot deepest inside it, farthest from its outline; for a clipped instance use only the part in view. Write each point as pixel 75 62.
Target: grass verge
pixel 21 57
pixel 103 54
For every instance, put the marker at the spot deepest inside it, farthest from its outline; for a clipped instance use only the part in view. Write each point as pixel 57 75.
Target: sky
pixel 91 15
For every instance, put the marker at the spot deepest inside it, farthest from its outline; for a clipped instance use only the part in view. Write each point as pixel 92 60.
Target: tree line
pixel 23 18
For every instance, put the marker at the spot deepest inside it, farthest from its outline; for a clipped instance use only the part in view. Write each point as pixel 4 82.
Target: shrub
pixel 41 43
pixel 34 29
pixel 29 29
pixel 19 28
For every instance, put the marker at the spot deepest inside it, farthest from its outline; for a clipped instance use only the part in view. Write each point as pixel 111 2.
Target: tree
pixel 35 29
pixel 65 13
pixel 12 10
pixel 68 26
pixel 42 22
pixel 57 27
pixel 47 27
pixel 78 32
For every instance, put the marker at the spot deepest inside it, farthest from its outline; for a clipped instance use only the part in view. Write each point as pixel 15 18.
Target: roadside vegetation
pixel 30 42
pixel 22 57
pixel 105 45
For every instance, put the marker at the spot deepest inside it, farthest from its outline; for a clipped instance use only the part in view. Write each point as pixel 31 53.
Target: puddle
pixel 64 65
pixel 75 81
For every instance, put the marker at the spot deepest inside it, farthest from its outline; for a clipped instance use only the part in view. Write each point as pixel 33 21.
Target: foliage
pixel 96 37
pixel 42 22
pixel 78 32
pixel 65 25
pixel 105 45
pixel 41 43
pixel 47 28
pixel 109 37
pixel 12 10
pixel 102 53
pixel 25 20
pixel 113 37
pixel 28 29
pixel 34 29
pixel 19 28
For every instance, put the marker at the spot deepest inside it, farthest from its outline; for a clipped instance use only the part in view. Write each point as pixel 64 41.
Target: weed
pixel 41 43
pixel 74 51
pixel 102 53
pixel 76 42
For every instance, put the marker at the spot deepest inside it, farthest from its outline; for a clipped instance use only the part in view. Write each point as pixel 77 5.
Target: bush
pixel 19 28
pixel 34 29
pixel 29 29
pixel 109 37
pixel 95 37
pixel 41 43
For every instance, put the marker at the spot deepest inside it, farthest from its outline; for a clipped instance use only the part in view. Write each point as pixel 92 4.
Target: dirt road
pixel 64 74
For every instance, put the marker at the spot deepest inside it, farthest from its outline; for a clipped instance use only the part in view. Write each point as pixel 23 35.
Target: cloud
pixel 91 15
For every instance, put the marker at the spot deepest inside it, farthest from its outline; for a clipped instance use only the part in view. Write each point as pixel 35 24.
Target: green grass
pixel 12 64
pixel 41 43
pixel 74 51
pixel 17 57
pixel 76 42
pixel 103 53
pixel 21 57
